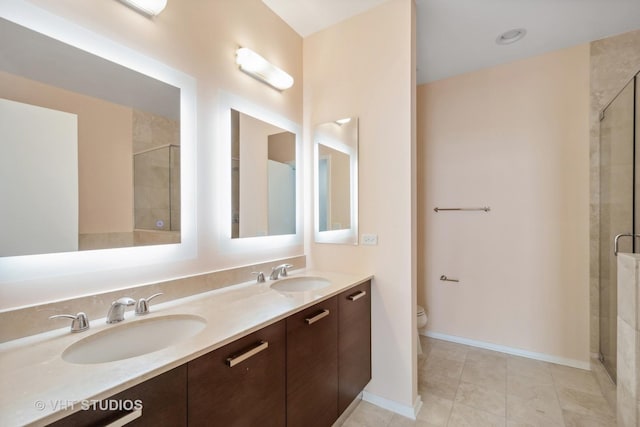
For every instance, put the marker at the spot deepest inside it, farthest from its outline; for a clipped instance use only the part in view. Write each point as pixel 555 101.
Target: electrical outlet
pixel 369 239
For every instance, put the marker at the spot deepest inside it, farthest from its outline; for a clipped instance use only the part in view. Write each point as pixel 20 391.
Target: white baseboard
pixel 390 405
pixel 510 350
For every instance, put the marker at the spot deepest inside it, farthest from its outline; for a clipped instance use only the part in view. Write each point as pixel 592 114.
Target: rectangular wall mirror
pixel 336 181
pixel 26 28
pixel 263 178
pixel 91 150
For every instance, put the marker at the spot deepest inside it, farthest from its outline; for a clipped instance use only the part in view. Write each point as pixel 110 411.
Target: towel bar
pixel 485 208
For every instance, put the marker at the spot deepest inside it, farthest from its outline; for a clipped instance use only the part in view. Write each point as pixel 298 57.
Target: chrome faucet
pixel 116 311
pixel 279 271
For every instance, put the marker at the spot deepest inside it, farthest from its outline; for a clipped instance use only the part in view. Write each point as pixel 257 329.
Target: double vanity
pixel 294 351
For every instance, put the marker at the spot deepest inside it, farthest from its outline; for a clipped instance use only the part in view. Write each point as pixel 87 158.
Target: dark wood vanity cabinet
pixel 163 400
pixel 241 384
pixel 302 371
pixel 354 343
pixel 312 366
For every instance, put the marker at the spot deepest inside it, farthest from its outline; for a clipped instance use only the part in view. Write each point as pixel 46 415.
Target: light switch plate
pixel 369 239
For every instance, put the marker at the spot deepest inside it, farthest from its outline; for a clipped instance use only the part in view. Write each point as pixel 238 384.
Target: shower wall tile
pixel 627 298
pixel 156 173
pixel 92 241
pixel 614 61
pixel 626 411
pixel 152 237
pixel 151 131
pixel 628 336
pixel 627 372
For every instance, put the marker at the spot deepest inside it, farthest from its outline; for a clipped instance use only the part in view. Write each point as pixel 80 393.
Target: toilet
pixel 422 317
pixel 421 322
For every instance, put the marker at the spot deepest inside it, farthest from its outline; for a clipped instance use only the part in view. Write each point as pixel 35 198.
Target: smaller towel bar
pixel 485 208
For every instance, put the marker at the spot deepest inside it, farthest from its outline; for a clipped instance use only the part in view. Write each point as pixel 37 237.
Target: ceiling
pixel 458 36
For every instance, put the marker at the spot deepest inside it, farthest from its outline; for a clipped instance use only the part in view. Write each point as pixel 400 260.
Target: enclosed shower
pixel 156 175
pixel 619 205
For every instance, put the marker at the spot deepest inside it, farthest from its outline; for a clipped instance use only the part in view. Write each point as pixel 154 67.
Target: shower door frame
pixel 608 302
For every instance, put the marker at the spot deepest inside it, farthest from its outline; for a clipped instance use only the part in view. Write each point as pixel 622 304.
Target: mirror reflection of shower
pixel 157 191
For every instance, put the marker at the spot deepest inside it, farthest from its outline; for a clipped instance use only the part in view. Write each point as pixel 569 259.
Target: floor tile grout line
pixel 555 389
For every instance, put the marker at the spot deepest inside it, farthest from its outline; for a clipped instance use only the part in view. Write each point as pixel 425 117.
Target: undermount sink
pixel 133 338
pixel 300 284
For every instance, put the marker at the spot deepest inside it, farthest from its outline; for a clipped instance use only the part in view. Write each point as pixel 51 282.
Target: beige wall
pixel 282 147
pixel 200 39
pixel 362 68
pixel 254 194
pixel 513 137
pixel 104 146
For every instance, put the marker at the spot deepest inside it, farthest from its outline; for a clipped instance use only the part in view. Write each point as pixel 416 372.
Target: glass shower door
pixel 617 177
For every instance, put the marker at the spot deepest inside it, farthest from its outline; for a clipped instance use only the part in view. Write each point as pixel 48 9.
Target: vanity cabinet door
pixel 163 400
pixel 354 343
pixel 241 384
pixel 312 366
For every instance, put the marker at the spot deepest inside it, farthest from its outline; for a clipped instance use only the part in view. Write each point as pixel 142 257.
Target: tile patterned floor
pixel 467 386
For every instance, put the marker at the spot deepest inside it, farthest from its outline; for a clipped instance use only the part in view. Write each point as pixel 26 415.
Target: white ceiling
pixel 458 36
pixel 309 16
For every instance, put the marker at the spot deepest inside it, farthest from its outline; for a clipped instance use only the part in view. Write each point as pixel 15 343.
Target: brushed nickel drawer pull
pixel 126 419
pixel 357 296
pixel 314 319
pixel 234 360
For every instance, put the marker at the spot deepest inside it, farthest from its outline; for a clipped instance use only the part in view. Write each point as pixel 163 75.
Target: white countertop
pixel 37 384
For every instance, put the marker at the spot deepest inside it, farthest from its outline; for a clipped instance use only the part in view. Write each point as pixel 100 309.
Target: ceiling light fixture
pixel 511 36
pixel 148 7
pixel 258 67
pixel 343 121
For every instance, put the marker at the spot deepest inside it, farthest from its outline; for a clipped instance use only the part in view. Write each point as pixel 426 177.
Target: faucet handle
pixel 80 322
pixel 283 269
pixel 142 306
pixel 259 276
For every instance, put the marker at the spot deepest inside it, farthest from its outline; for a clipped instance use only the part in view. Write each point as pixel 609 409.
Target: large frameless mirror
pixel 24 26
pixel 336 181
pixel 90 150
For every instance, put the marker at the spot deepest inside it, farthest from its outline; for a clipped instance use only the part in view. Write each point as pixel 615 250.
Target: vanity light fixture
pixel 341 122
pixel 148 7
pixel 258 67
pixel 511 36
